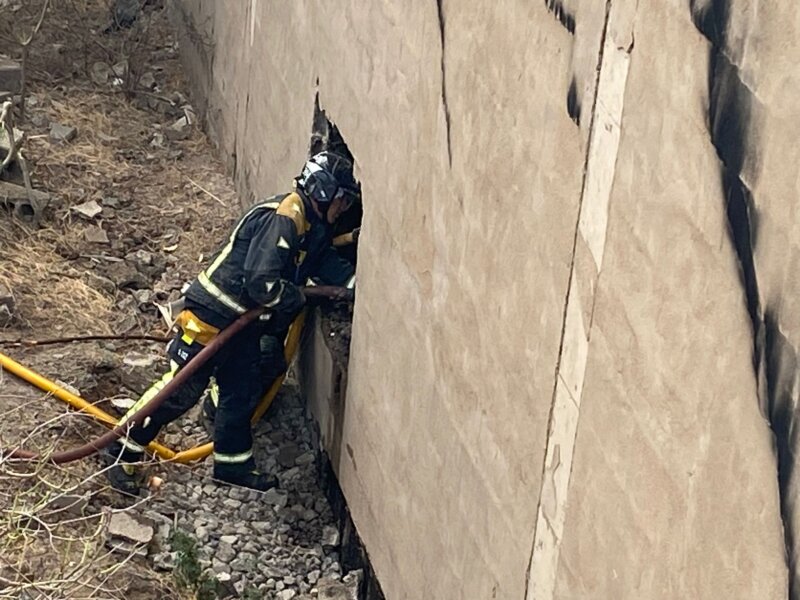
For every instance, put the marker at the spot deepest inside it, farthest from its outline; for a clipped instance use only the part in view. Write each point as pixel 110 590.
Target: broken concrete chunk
pixel 126 275
pixel 88 209
pixel 100 73
pixel 95 235
pixel 188 112
pixel 330 589
pixel 122 403
pixel 126 548
pixel 39 121
pixel 62 133
pixel 127 528
pixel 147 81
pixel 141 258
pixel 162 527
pixel 164 561
pixel 120 69
pixel 182 128
pixel 330 537
pixel 142 296
pixel 276 497
pixel 158 140
pixel 10 75
pixel 180 124
pixel 7 306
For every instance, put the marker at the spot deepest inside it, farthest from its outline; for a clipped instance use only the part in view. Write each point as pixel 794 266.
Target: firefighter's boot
pixel 244 474
pixel 122 475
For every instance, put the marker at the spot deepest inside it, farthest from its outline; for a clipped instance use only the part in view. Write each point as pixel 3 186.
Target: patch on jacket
pixel 292 207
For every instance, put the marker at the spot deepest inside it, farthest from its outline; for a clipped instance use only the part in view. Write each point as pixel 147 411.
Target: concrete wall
pixel 569 344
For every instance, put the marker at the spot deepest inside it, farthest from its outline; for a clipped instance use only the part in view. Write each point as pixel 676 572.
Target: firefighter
pixel 321 264
pixel 257 266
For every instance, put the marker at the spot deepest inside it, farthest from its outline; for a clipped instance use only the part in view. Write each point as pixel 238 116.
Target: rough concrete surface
pixel 573 345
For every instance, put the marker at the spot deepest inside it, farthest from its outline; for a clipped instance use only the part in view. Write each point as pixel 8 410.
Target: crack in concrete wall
pixel 600 164
pixel 445 107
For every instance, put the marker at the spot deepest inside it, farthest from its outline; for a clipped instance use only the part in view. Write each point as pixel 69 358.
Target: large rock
pixel 129 534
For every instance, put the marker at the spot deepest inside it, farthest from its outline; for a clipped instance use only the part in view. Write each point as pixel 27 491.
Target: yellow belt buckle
pixel 190 329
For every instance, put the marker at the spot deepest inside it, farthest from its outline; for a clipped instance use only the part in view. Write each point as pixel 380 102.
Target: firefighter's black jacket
pixel 260 263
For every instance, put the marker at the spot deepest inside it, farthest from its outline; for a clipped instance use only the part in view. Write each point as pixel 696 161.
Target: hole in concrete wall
pixel 336 319
pixel 335 323
pixel 325 135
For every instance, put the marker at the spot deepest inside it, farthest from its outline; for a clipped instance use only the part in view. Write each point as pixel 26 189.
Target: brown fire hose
pixel 329 292
pixel 180 377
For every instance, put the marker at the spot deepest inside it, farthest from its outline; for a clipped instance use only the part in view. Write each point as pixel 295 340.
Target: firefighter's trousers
pixel 237 368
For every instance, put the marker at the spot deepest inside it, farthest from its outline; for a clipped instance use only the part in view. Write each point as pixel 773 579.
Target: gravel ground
pixel 279 544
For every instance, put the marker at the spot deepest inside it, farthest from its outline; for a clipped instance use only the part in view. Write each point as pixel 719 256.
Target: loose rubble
pixel 280 544
pixel 10 75
pixel 62 133
pixel 7 306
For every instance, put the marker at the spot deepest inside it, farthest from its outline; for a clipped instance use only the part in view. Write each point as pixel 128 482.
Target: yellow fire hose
pixel 184 456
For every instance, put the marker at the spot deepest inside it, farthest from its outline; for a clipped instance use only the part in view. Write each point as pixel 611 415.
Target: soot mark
pixel 573 103
pixel 562 14
pixel 730 113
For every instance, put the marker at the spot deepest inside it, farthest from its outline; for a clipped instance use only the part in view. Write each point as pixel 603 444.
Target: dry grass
pixel 47 286
pixel 168 195
pixel 53 524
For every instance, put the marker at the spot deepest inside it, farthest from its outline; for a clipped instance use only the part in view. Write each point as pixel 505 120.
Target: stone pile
pixel 280 544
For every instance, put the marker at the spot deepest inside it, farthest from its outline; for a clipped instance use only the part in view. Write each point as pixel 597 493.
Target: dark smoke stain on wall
pixel 567 20
pixel 730 120
pixel 563 16
pixel 573 104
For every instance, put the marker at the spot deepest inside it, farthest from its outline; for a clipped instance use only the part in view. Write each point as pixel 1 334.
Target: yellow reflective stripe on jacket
pixel 233 458
pixel 292 206
pixel 212 289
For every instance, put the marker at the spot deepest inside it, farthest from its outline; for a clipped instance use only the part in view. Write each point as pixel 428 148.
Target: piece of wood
pixel 10 192
pixel 10 75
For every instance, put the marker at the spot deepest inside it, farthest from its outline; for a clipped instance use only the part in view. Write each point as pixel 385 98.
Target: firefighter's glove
pixel 344 295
